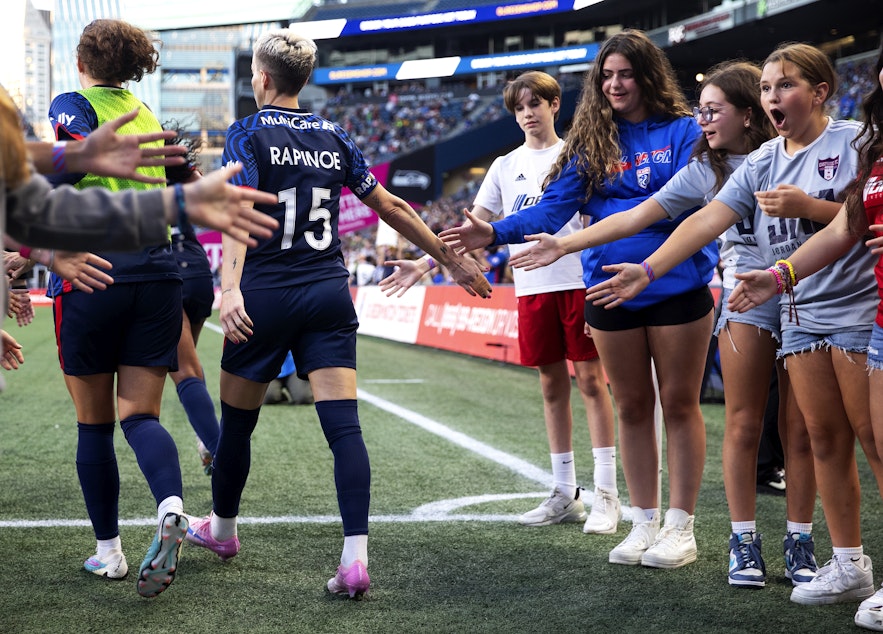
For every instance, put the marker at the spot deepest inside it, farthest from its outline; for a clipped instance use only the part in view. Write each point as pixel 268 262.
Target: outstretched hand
pixel 213 203
pixel 754 288
pixel 83 270
pixel 10 352
pixel 473 234
pixel 406 274
pixel 628 281
pixel 543 253
pixel 108 153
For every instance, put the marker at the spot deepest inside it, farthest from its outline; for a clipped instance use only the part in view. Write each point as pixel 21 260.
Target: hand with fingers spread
pixel 473 234
pixel 628 281
pixel 83 270
pixel 546 251
pixel 213 203
pixel 406 274
pixel 754 288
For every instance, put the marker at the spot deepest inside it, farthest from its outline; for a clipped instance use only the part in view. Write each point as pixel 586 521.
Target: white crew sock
pixel 605 468
pixel 564 473
pixel 355 548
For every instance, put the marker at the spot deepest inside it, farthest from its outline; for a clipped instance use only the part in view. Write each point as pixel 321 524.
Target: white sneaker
pixel 629 550
pixel 836 582
pixel 112 565
pixel 605 515
pixel 874 601
pixel 870 619
pixel 555 509
pixel 675 545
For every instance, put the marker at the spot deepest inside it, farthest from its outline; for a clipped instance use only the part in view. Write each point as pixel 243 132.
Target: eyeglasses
pixel 706 113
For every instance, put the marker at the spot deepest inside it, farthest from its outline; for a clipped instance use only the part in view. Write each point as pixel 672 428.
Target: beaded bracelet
pixel 648 270
pixel 25 252
pixel 430 262
pixel 786 267
pixel 183 221
pixel 59 161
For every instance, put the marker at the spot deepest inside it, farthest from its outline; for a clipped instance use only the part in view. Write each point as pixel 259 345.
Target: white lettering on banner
pixel 454 318
pixel 390 312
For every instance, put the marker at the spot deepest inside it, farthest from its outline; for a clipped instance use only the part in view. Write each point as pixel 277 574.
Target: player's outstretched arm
pixel 401 216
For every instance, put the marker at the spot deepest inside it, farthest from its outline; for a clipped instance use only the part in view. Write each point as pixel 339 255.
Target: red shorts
pixel 551 328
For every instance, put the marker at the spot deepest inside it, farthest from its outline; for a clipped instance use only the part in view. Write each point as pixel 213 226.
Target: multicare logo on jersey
pixel 828 167
pixel 643 177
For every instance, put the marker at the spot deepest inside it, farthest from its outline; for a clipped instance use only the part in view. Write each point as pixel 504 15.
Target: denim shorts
pixel 875 349
pixel 797 339
pixel 765 317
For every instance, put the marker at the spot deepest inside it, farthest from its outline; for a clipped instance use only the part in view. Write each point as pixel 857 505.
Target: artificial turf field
pixel 458 451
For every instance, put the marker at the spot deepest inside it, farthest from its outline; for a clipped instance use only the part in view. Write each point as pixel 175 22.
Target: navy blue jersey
pixel 305 160
pixel 73 117
pixel 189 253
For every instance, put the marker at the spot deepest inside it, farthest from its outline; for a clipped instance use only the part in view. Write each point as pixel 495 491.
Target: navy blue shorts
pixel 199 295
pixel 135 324
pixel 316 321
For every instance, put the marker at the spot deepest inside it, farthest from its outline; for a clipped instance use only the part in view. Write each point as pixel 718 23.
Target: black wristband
pixel 183 220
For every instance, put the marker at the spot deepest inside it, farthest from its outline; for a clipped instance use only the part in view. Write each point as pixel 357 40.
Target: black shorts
pixel 680 309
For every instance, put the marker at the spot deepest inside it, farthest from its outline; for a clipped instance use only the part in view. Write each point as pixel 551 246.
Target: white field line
pixel 439 511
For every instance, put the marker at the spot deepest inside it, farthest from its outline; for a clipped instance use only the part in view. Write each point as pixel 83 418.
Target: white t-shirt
pixel 514 182
pixel 841 296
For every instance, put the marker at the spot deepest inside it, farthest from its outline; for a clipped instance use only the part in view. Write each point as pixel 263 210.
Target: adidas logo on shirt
pixel 520 177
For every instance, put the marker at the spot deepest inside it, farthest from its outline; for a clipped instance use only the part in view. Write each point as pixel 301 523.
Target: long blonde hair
pixel 593 139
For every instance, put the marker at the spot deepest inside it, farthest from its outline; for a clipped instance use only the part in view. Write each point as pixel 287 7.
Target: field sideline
pixel 458 451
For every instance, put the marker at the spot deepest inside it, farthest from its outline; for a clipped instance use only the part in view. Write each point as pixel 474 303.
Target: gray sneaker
pixel 556 509
pixel 837 582
pixel 605 515
pixel 630 550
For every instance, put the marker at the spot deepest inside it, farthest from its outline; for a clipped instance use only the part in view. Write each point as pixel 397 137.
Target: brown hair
pixel 593 140
pixel 540 85
pixel 815 67
pixel 115 51
pixel 869 144
pixel 739 80
pixel 13 153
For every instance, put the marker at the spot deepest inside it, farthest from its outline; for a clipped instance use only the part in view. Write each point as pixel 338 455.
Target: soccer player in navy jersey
pixel 291 293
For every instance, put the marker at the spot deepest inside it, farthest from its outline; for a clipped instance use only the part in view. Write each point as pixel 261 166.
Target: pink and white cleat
pixel 200 534
pixel 353 580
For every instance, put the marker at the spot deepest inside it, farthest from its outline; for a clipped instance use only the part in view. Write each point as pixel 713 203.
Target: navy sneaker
pixel 800 558
pixel 747 569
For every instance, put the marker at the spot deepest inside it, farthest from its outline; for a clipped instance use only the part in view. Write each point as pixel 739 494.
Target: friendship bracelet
pixel 25 252
pixel 777 274
pixel 430 262
pixel 648 270
pixel 183 221
pixel 785 264
pixel 59 162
